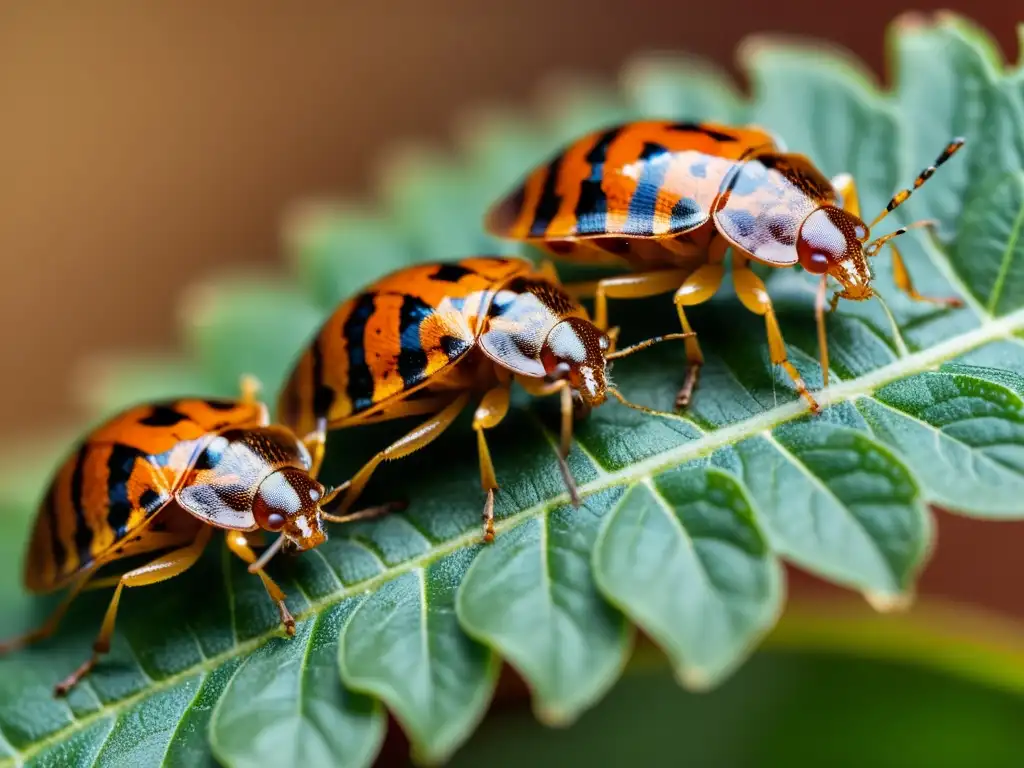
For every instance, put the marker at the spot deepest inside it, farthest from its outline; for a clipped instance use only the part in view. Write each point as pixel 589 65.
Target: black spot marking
pixel 783 229
pixel 221 405
pixel 150 501
pixel 360 380
pixel 236 497
pixel 453 346
pixel 506 214
pixel 592 206
pixel 549 202
pixel 686 214
pixel 119 469
pixel 323 395
pixel 60 554
pixel 83 533
pixel 212 454
pixel 741 223
pixel 163 416
pixel 450 273
pixel 690 127
pixel 644 203
pixel 412 359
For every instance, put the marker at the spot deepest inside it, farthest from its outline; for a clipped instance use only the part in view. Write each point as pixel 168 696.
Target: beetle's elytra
pixel 668 199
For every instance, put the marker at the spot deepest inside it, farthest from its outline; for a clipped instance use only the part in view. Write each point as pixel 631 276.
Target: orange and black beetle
pixel 670 198
pixel 161 477
pixel 426 339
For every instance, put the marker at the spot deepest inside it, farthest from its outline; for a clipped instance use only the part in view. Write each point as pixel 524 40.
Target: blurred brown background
pixel 143 145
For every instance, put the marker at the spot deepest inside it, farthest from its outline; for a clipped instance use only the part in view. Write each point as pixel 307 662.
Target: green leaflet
pixel 687 518
pixel 283 704
pixel 444 681
pixel 692 528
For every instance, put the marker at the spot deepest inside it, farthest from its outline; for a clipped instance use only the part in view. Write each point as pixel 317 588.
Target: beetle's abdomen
pixel 641 179
pixel 392 338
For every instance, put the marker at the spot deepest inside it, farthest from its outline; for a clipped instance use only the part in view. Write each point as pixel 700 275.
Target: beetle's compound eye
pixel 275 521
pixel 828 236
pixel 815 262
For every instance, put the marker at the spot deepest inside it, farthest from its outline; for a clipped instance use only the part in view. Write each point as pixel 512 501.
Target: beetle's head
pixel 833 241
pixel 288 502
pixel 574 350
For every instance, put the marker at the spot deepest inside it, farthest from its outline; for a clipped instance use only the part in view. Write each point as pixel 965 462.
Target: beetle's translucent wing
pixel 765 200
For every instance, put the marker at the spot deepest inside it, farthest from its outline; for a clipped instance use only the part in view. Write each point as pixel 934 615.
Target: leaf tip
pixel 890 602
pixel 554 717
pixel 695 679
pixel 913 21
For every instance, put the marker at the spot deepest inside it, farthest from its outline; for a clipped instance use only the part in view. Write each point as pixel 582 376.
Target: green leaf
pixel 284 706
pixel 532 597
pixel 686 518
pixel 404 645
pixel 693 528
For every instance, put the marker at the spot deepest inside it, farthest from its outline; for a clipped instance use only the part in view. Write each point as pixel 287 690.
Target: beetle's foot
pixel 689 385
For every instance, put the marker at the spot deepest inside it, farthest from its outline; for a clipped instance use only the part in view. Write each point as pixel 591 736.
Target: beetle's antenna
pixel 875 245
pixel 268 553
pixel 647 343
pixel 904 194
pixel 642 408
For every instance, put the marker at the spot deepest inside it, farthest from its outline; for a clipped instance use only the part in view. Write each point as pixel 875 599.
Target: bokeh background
pixel 143 146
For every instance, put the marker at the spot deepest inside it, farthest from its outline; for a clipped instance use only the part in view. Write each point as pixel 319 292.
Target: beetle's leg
pixel 752 292
pixel 423 435
pixel 250 387
pixel 902 279
pixel 540 388
pixel 149 541
pixel 239 544
pixel 633 286
pixel 49 626
pixel 696 289
pixel 422 406
pixel 489 413
pixel 847 189
pixel 163 568
pixel 316 442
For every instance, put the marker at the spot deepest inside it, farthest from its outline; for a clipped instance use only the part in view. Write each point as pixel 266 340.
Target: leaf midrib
pixel 988 331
